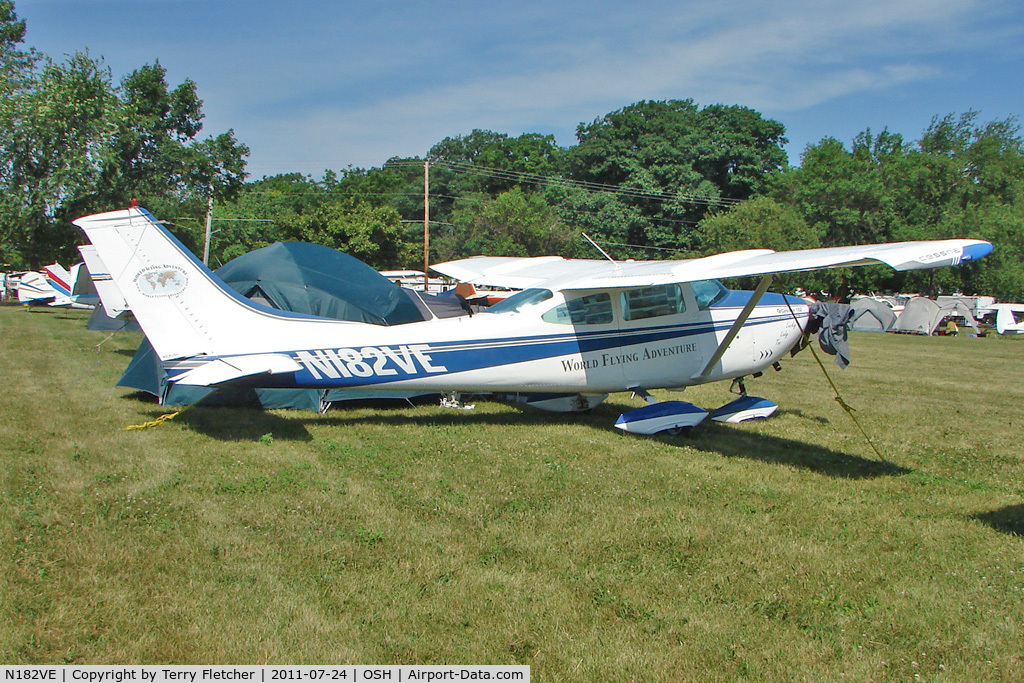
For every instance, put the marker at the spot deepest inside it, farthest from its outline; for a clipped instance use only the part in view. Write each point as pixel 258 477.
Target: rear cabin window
pixel 652 302
pixel 593 309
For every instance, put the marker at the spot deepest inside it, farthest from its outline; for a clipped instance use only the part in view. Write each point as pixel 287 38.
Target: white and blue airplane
pixel 577 331
pixel 56 286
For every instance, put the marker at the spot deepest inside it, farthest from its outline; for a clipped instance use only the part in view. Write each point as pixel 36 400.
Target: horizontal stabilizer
pixel 223 370
pixel 34 289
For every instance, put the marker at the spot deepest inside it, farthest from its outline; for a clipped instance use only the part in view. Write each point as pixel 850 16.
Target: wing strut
pixel 762 287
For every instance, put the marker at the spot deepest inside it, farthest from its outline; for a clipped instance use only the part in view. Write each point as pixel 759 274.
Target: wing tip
pixel 975 251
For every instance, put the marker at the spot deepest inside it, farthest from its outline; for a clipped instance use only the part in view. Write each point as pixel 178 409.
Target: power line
pixel 635 246
pixel 553 181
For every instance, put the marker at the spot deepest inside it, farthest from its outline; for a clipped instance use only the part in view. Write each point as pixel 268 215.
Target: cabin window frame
pixel 655 301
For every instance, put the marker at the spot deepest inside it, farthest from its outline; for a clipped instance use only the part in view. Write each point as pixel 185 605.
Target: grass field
pixel 775 550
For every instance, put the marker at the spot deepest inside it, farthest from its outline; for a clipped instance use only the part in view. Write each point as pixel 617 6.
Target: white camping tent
pixel 976 304
pixel 871 315
pixel 924 316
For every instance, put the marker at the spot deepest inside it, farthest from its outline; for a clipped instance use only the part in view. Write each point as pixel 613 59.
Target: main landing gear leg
pixel 745 407
pixel 454 400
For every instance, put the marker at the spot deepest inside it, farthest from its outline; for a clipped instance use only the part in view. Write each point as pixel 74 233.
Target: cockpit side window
pixel 652 302
pixel 708 293
pixel 514 303
pixel 592 309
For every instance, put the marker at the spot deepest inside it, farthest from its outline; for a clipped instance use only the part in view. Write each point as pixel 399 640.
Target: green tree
pixel 515 223
pixel 672 160
pixel 489 163
pixel 372 234
pixel 14 62
pixel 156 156
pixel 485 161
pixel 72 143
pixel 154 123
pixel 848 196
pixel 619 226
pixel 57 134
pixel 961 179
pixel 761 223
pixel 968 181
pixel 12 29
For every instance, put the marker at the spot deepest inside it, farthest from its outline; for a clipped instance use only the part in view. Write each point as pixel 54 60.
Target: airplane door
pixel 661 332
pixel 598 365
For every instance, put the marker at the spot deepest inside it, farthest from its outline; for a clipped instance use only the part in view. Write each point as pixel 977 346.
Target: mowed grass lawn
pixel 774 550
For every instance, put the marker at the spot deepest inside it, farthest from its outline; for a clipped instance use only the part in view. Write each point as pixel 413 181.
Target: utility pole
pixel 426 224
pixel 209 222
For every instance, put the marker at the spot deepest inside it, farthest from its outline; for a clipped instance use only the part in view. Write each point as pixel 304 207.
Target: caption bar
pixel 264 674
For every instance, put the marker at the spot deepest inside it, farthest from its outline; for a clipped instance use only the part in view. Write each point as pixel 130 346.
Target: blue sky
pixel 337 83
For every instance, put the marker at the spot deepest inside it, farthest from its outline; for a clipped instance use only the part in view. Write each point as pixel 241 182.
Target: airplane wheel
pixel 678 431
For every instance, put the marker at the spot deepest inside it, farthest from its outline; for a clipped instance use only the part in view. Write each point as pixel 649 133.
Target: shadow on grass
pixel 238 424
pixel 1008 520
pixel 803 416
pixel 734 443
pixel 59 312
pixel 242 424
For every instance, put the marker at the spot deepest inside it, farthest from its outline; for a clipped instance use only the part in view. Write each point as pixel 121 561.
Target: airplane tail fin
pixel 113 301
pixel 34 288
pixel 59 278
pixel 182 306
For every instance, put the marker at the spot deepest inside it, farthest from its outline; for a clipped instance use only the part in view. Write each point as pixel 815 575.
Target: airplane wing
pixel 554 272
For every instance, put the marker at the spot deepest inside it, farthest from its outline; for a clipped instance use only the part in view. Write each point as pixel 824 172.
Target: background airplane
pixel 56 286
pixel 578 330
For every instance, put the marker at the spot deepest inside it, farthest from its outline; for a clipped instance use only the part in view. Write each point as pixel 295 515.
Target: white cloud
pixel 329 84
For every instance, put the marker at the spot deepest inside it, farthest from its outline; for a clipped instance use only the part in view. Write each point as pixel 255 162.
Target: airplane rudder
pixel 151 270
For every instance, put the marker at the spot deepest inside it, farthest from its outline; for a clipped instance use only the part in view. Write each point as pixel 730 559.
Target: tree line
pixel 73 142
pixel 655 179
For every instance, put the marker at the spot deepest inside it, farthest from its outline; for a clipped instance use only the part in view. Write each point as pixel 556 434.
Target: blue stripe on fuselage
pixel 373 365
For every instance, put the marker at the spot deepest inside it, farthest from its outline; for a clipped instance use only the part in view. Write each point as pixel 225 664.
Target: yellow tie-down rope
pixel 838 397
pixel 160 420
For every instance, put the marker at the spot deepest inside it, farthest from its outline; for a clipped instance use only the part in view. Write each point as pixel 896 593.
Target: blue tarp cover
pixel 292 276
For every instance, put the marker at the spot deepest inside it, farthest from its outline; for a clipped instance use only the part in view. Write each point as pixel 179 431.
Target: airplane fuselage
pixel 589 341
pixel 577 326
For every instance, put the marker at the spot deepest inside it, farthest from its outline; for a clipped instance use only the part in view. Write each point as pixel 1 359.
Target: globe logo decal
pixel 161 281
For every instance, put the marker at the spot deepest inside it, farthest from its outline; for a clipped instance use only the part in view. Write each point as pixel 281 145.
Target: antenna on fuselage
pixel 603 252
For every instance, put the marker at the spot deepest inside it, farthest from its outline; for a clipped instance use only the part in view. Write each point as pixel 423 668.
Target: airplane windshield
pixel 708 293
pixel 514 303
